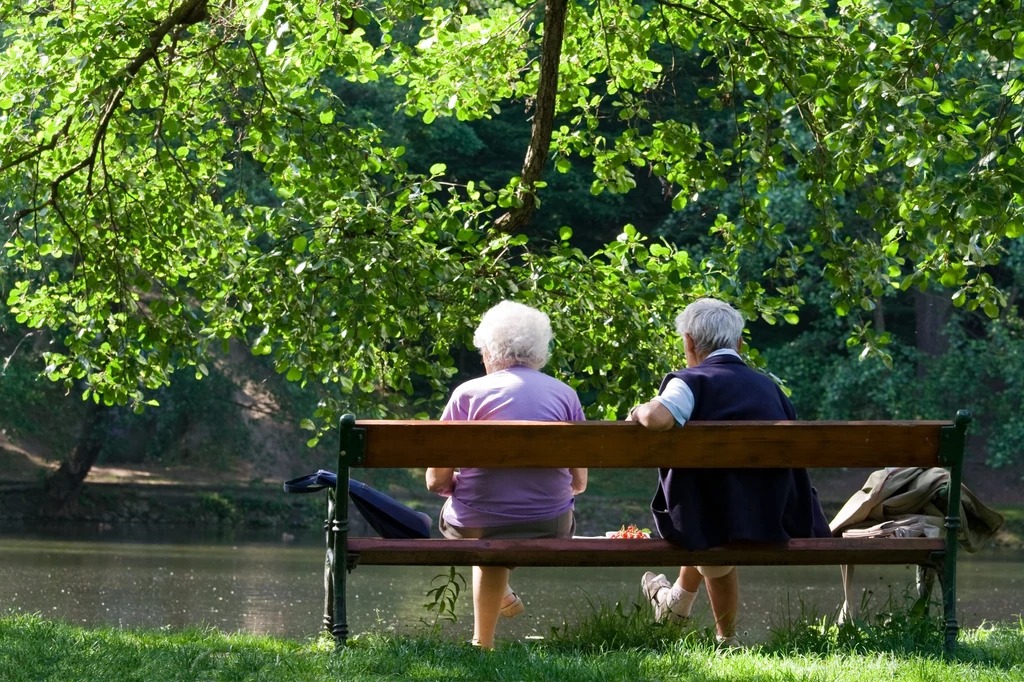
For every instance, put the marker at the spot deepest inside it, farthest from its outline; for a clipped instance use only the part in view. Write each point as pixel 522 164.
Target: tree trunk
pixel 64 485
pixel 879 315
pixel 931 313
pixel 543 117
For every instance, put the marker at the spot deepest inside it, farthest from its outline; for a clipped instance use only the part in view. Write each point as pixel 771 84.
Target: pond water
pixel 269 583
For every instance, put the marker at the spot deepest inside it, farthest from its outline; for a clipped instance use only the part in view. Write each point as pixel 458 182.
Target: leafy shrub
pixel 984 374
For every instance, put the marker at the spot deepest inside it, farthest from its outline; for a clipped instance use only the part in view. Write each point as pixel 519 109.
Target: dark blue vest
pixel 701 508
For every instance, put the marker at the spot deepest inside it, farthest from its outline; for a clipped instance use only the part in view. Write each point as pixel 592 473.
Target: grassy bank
pixel 609 646
pixel 1012 532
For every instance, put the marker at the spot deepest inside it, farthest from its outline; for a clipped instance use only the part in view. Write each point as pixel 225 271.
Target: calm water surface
pixel 266 583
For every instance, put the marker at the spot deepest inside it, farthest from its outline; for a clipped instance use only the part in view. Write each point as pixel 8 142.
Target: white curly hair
pixel 514 334
pixel 712 324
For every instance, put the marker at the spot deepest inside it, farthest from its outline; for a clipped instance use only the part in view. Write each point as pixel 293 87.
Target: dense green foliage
pixel 982 370
pixel 182 173
pixel 34 649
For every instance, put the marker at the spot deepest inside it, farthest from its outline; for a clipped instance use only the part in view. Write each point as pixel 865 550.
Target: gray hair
pixel 712 324
pixel 514 334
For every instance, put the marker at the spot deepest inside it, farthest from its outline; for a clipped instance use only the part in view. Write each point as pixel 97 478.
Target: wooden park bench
pixel 599 445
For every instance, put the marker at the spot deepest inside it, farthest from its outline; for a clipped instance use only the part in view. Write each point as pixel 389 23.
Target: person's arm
pixel 652 415
pixel 441 481
pixel 579 480
pixel 673 406
pixel 579 474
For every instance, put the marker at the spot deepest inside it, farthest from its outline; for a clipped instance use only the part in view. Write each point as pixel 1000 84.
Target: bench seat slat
pixel 396 444
pixel 600 552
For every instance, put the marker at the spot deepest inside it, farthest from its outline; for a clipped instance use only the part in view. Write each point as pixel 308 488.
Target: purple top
pixel 496 497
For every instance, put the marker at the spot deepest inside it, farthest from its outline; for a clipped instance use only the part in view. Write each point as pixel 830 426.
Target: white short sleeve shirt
pixel 677 397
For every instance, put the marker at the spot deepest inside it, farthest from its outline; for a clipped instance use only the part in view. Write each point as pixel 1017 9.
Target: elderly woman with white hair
pixel 702 508
pixel 508 503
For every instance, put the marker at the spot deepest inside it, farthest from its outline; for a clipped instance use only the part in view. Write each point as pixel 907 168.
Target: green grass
pixel 612 643
pixel 1012 532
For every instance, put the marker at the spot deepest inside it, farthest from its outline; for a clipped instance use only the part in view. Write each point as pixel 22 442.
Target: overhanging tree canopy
pixel 128 132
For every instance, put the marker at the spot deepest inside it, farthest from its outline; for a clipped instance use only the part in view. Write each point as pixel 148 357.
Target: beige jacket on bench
pixel 914 496
pixel 909 502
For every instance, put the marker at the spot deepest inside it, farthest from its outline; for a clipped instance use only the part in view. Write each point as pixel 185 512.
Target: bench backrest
pixel 501 444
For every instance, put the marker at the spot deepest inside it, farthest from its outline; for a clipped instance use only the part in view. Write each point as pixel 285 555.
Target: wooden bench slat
pixel 391 444
pixel 600 552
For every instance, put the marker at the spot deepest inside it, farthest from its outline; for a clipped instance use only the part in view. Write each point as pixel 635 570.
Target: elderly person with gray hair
pixel 508 503
pixel 702 508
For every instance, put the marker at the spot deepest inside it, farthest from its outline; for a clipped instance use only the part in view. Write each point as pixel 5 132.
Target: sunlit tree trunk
pixel 543 117
pixel 64 485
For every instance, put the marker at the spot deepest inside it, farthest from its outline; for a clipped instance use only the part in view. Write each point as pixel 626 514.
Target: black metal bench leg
pixel 339 627
pixel 949 599
pixel 329 565
pixel 951 454
pixel 949 585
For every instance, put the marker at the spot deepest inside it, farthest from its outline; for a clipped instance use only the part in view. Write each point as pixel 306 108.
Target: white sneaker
pixel 658 590
pixel 728 642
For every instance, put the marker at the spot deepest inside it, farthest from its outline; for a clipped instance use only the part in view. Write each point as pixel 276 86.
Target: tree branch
pixel 543 117
pixel 47 146
pixel 188 12
pixel 736 20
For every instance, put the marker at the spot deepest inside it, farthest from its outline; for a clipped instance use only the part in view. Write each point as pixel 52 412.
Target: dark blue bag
pixel 389 517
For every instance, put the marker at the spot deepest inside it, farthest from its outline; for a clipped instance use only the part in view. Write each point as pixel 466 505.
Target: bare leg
pixel 689 578
pixel 725 600
pixel 489 583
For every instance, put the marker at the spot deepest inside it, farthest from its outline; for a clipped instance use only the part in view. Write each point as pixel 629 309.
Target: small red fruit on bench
pixel 630 533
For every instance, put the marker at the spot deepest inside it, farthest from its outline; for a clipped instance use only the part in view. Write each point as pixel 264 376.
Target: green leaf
pixel 438 169
pixel 564 233
pixel 299 245
pixel 808 81
pixel 294 374
pixel 327 117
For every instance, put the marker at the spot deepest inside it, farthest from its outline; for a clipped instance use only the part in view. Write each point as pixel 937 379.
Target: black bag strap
pixel 313 483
